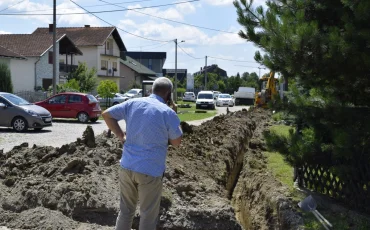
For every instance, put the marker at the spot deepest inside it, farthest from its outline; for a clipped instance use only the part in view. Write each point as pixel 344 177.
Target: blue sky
pixel 216 14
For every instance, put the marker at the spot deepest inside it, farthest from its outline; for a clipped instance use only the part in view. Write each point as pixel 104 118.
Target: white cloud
pixel 230 2
pixel 170 13
pixel 186 8
pixel 4 32
pixel 41 8
pixel 165 31
pixel 219 2
pixel 77 19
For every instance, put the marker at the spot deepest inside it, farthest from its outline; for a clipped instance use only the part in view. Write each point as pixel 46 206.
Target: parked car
pixel 205 99
pixel 133 93
pixel 117 98
pixel 82 106
pixel 189 96
pixel 215 94
pixel 20 114
pixel 224 99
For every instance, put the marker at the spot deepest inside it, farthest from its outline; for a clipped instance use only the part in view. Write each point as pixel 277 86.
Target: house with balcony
pixel 102 48
pixel 30 58
pixel 151 60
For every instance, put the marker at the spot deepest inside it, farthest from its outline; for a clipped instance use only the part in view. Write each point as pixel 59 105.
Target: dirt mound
pixel 76 186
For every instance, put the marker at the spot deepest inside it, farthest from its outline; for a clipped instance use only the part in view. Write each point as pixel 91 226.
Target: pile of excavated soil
pixel 76 186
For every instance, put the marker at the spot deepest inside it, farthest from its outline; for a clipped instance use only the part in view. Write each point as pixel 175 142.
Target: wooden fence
pixel 352 189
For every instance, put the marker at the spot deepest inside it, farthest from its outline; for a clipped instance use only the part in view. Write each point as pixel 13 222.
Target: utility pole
pixel 205 75
pixel 175 90
pixel 54 47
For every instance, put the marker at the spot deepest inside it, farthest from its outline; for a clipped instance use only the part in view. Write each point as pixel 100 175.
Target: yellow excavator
pixel 269 90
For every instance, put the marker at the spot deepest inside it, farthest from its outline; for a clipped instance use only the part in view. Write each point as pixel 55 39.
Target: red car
pixel 82 106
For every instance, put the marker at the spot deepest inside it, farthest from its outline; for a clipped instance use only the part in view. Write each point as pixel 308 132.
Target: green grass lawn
pixel 191 116
pixel 188 114
pixel 283 172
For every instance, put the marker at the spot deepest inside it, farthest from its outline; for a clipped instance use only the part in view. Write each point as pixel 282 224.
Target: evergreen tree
pixel 5 79
pixel 323 47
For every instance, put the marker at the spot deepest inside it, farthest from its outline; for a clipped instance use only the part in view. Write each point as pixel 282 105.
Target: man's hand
pixel 122 138
pixel 173 106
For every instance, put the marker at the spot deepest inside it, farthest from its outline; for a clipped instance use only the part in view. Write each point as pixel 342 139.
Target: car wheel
pixel 19 124
pixel 213 107
pixel 83 117
pixel 94 119
pixel 38 129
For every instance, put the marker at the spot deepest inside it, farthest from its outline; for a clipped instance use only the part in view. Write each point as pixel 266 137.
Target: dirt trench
pixel 215 180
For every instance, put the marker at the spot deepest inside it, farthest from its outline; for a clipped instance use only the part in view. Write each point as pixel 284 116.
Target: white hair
pixel 162 85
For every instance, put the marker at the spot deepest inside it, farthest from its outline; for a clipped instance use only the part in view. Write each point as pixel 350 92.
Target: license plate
pixel 204 105
pixel 47 119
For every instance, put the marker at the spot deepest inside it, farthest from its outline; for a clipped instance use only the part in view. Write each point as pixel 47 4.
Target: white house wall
pixel 44 70
pixel 89 55
pixel 23 74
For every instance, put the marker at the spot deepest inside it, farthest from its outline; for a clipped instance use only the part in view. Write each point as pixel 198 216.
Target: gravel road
pixel 66 131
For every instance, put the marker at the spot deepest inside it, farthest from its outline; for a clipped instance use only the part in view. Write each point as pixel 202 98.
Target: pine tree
pixel 5 79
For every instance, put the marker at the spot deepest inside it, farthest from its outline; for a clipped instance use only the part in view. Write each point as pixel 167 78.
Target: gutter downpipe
pixel 36 72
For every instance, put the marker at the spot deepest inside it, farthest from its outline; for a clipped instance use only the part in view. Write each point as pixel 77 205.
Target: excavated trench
pixel 217 179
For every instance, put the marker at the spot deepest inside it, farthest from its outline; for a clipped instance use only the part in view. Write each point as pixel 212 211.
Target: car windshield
pixel 132 91
pixel 205 96
pixel 224 96
pixel 15 99
pixel 92 98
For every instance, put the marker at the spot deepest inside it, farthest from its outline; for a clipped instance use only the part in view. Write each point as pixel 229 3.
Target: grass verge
pixel 283 172
pixel 191 116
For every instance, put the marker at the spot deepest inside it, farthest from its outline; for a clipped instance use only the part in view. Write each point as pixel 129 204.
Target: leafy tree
pixel 221 86
pixel 70 86
pixel 86 77
pixel 107 88
pixel 5 79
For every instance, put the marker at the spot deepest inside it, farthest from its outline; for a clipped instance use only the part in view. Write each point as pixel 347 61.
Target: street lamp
pixel 259 71
pixel 175 88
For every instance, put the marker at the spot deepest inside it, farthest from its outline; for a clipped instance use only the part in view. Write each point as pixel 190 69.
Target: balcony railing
pixel 67 68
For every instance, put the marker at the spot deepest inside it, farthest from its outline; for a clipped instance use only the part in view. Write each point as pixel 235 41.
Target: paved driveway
pixel 66 131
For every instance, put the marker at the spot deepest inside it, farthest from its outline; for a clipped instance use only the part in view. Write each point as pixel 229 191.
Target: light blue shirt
pixel 150 123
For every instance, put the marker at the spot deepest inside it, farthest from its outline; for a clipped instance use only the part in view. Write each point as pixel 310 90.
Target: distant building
pixel 212 69
pixel 190 82
pixel 181 73
pixel 151 60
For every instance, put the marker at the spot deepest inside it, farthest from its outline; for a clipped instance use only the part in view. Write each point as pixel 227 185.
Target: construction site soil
pixel 216 179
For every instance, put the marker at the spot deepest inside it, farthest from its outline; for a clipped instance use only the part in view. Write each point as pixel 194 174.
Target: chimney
pixel 51 27
pixel 87 26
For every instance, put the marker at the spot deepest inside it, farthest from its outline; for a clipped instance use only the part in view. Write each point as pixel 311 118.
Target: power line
pixel 250 66
pixel 12 5
pixel 159 46
pixel 225 59
pixel 103 11
pixel 187 53
pixel 88 6
pixel 118 27
pixel 188 24
pixel 153 44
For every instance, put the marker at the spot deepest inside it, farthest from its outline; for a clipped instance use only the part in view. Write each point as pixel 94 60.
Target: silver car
pixel 20 114
pixel 117 99
pixel 224 99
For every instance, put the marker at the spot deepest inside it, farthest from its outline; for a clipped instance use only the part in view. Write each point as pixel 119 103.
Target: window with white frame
pixel 104 65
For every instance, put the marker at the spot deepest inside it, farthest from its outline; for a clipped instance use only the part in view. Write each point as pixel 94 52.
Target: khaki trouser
pixel 148 190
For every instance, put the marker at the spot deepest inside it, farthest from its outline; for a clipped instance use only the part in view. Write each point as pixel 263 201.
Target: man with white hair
pixel 151 124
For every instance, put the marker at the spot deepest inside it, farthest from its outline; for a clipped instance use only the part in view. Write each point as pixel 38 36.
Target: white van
pixel 205 99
